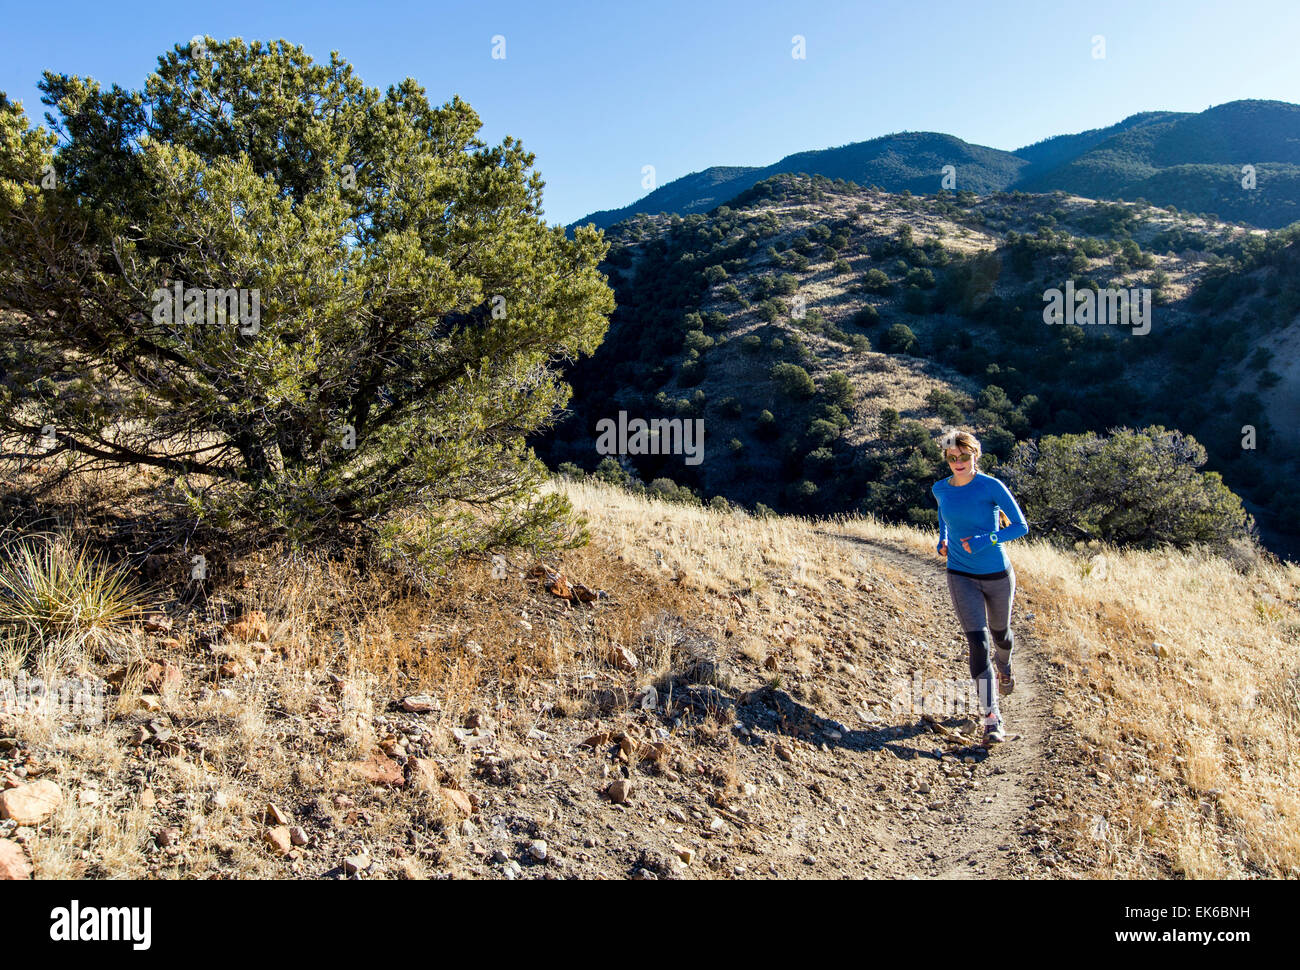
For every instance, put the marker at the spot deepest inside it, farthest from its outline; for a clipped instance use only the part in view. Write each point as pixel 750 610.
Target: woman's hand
pixel 943 548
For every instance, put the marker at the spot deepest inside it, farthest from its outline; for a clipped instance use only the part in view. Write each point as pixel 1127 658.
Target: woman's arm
pixel 943 526
pixel 1019 525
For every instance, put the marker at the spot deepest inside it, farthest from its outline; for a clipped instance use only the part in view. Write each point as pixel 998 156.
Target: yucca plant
pixel 51 591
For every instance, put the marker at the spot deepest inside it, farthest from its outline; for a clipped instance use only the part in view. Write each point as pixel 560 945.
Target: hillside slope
pixel 364 732
pixel 824 334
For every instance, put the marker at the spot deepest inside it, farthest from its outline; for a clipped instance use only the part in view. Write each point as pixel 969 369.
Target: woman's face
pixel 959 461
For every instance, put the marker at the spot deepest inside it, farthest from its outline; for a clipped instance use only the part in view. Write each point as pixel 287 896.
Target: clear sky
pixel 599 89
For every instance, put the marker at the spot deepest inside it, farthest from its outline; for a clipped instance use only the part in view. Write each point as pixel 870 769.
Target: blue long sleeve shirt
pixel 971 511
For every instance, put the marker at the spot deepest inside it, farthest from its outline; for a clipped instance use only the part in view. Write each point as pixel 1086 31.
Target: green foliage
pixel 898 339
pixel 868 316
pixel 876 281
pixel 52 593
pixel 411 299
pixel 837 389
pixel 1131 487
pixel 793 380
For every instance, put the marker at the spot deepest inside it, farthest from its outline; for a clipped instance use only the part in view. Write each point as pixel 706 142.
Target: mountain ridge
pixel 1192 160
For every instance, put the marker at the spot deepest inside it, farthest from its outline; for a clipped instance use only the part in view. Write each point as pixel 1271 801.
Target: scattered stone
pixel 13 863
pixel 458 801
pixel 469 738
pixel 279 839
pixel 424 775
pixel 159 676
pixel 158 623
pixel 356 863
pixel 168 836
pixel 620 791
pixel 298 835
pixel 687 855
pixel 148 799
pixel 250 627
pixel 275 815
pixel 378 769
pixel 784 753
pixel 538 850
pixel 420 703
pixel 623 658
pixel 32 803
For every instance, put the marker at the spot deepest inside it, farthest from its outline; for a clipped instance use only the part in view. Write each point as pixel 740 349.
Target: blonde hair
pixel 965 441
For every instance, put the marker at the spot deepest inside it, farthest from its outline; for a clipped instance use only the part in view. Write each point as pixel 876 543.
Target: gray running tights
pixel 984 606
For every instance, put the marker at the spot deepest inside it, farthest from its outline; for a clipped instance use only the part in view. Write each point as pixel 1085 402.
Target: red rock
pixel 160 675
pixel 13 864
pixel 458 801
pixel 279 839
pixel 251 626
pixel 275 815
pixel 620 791
pixel 425 775
pixel 31 804
pixel 158 623
pixel 378 769
pixel 623 658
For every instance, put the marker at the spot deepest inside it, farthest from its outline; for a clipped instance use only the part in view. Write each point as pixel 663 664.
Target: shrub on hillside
pixel 793 380
pixel 898 339
pixel 1131 487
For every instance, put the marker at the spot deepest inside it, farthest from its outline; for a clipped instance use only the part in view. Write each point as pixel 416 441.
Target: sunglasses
pixel 954 458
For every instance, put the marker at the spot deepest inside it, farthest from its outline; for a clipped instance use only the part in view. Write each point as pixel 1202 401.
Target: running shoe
pixel 994 729
pixel 1006 683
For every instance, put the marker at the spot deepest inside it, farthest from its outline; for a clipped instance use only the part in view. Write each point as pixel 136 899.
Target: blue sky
pixel 598 90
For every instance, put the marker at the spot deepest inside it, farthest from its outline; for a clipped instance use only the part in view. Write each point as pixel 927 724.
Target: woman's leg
pixel 998 597
pixel 968 601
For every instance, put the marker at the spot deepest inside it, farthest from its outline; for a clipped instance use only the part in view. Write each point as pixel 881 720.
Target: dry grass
pixel 1200 745
pixel 1211 726
pixel 1178 669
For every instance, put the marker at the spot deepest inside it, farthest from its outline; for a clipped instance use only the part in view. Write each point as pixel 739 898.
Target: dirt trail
pixel 976 834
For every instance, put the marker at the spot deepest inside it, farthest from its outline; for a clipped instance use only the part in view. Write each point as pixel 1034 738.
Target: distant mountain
pixel 1193 161
pixel 911 161
pixel 1050 153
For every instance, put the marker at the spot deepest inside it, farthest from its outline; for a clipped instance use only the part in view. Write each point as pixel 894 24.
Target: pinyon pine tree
pixel 312 304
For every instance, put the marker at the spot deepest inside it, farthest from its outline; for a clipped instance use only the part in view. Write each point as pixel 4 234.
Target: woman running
pixel 980 578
